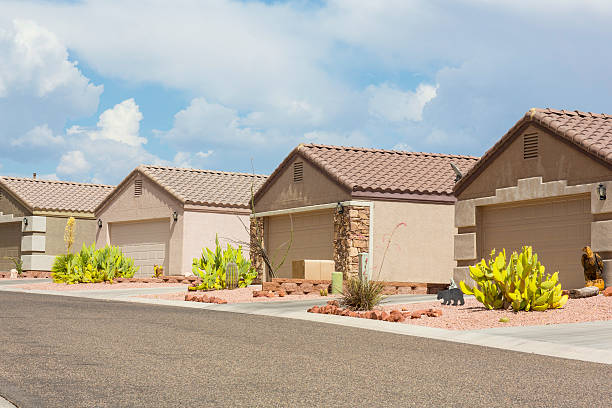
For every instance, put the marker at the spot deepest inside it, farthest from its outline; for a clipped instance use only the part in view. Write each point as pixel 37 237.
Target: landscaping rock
pixel 282 293
pixel 333 303
pixel 583 292
pixel 418 313
pixel 608 291
pixel 270 294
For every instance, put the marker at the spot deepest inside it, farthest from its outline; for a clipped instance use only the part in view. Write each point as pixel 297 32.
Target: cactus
pixel 231 275
pixel 519 283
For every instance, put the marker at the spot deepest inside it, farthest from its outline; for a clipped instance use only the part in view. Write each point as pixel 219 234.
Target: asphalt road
pixel 73 352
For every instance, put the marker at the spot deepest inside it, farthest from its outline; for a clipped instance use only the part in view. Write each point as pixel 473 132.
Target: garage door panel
pixel 145 242
pixel 313 235
pixel 557 230
pixel 10 245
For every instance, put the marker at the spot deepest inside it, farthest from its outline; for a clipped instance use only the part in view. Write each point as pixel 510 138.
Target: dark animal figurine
pixel 454 294
pixel 592 264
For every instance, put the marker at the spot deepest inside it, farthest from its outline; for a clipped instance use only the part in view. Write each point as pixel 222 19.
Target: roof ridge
pixel 571 112
pixel 391 151
pixel 75 183
pixel 233 173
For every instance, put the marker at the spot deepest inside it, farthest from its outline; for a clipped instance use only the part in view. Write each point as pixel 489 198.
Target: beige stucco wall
pixel 421 249
pixel 84 233
pixel 200 229
pixel 557 160
pixel 153 204
pixel 316 188
pixel 9 205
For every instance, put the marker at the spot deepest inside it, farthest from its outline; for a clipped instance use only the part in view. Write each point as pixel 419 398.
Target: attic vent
pixel 137 187
pixel 298 172
pixel 0 194
pixel 530 146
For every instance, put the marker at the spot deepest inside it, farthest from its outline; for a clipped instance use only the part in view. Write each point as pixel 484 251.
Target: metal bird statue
pixel 592 264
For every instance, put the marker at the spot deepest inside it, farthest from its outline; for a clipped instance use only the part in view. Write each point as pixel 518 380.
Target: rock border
pixel 333 308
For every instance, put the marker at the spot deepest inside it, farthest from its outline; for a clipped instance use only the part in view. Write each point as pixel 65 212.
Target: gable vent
pixel 0 194
pixel 530 146
pixel 298 172
pixel 137 187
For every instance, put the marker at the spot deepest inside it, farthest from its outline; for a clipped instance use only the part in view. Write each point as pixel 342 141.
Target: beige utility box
pixel 312 269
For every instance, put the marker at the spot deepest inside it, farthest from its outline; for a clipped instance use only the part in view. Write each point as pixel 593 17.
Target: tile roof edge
pixel 533 115
pixel 19 198
pixel 74 183
pixel 401 152
pixel 232 173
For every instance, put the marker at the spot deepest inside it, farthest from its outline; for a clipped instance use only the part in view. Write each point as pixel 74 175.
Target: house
pixel 33 215
pixel 333 203
pixel 545 183
pixel 165 216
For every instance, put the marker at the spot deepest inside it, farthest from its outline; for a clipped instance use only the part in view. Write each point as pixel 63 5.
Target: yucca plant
pixel 362 293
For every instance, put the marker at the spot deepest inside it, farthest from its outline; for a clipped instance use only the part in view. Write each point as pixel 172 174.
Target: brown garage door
pixel 557 230
pixel 145 242
pixel 10 244
pixel 313 237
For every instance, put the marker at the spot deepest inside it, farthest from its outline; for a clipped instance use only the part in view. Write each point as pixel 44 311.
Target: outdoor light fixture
pixel 601 190
pixel 25 221
pixel 99 223
pixel 175 216
pixel 339 208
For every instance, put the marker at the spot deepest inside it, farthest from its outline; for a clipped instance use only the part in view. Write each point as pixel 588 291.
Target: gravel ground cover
pixel 240 295
pixel 473 315
pixel 98 286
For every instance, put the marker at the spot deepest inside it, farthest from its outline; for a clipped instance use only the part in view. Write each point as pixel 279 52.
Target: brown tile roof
pixel 591 132
pixel 203 187
pixel 385 171
pixel 50 195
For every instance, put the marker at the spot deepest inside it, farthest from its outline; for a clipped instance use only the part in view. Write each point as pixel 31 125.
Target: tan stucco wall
pixel 316 188
pixel 153 204
pixel 419 251
pixel 84 233
pixel 201 228
pixel 9 205
pixel 557 160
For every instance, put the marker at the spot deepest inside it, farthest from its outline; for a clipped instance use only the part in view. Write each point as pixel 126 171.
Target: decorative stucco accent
pixel 351 236
pixel 36 223
pixel 601 236
pixel 33 243
pixel 37 262
pixel 465 246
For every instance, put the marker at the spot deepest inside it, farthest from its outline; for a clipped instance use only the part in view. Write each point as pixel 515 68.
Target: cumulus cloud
pixel 205 122
pixel 40 136
pixel 73 164
pixel 393 104
pixel 120 123
pixel 354 138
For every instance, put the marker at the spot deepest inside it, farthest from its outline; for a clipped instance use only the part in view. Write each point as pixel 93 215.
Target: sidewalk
pixel 590 341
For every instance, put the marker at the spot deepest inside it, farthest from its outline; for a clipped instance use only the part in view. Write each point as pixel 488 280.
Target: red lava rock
pixel 417 314
pixel 314 309
pixel 270 294
pixel 608 291
pixel 384 316
pixel 345 312
pixel 333 303
pixel 434 313
pixel 353 314
pixel 282 293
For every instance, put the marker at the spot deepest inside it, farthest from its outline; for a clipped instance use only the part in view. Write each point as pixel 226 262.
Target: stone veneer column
pixel 351 236
pixel 257 232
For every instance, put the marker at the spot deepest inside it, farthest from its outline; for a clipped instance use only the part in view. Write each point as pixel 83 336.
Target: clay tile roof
pixel 205 187
pixel 591 132
pixel 385 171
pixel 50 195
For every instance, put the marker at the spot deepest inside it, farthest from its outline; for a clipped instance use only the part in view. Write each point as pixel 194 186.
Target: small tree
pixel 69 234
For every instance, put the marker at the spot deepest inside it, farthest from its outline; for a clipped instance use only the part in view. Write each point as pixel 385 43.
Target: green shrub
pixel 519 283
pixel 211 267
pixel 92 265
pixel 362 294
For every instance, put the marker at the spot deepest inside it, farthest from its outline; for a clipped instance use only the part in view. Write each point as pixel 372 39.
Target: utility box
pixel 312 269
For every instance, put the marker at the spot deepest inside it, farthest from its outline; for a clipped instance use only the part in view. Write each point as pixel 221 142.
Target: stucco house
pixel 338 202
pixel 33 215
pixel 545 183
pixel 165 216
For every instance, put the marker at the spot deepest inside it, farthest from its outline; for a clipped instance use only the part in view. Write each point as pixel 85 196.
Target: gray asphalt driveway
pixel 64 351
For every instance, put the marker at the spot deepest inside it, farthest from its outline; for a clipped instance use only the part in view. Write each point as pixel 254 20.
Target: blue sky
pixel 90 89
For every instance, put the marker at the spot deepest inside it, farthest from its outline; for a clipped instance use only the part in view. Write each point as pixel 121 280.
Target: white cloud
pixel 121 123
pixel 191 160
pixel 390 103
pixel 40 136
pixel 354 138
pixel 402 147
pixel 205 122
pixel 73 164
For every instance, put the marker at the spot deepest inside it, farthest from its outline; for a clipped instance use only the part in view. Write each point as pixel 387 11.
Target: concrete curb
pixel 297 310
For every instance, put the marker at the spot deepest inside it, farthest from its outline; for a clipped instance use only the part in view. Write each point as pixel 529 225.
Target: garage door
pixel 145 242
pixel 10 243
pixel 557 230
pixel 313 237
